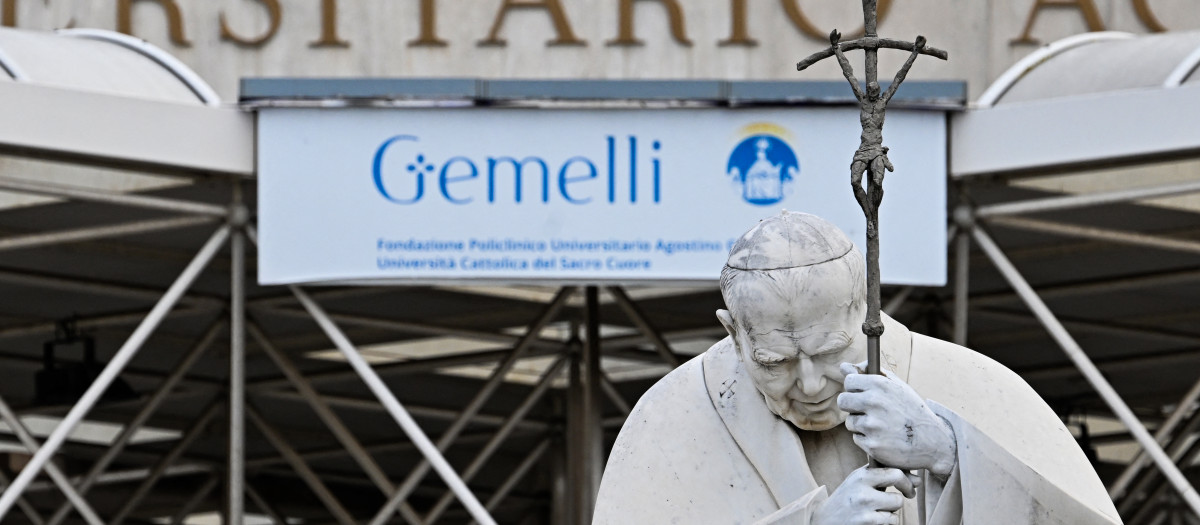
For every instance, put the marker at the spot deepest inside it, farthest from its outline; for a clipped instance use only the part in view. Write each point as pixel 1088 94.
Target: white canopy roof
pixel 103 98
pixel 1098 99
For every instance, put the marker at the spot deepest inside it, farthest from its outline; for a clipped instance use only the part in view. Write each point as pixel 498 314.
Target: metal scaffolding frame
pixel 1137 489
pixel 586 385
pixel 1164 450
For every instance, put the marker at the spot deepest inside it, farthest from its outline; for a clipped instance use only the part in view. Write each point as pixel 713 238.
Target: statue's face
pixel 793 341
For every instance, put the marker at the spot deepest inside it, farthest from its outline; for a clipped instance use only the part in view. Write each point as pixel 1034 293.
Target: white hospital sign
pixel 575 195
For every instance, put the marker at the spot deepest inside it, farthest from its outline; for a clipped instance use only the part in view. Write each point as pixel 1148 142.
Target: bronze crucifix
pixel 871 156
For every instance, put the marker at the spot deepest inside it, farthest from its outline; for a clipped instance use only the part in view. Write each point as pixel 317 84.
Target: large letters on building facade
pixel 740 27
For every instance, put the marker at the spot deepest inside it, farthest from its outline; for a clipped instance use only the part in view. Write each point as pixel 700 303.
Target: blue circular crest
pixel 762 165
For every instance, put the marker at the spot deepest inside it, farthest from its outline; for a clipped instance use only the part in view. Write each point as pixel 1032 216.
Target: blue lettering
pixel 612 169
pixel 632 169
pixel 563 179
pixel 415 169
pixel 657 174
pixel 517 172
pixel 444 180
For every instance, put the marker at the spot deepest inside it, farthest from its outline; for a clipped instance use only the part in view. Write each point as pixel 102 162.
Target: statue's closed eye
pixel 769 358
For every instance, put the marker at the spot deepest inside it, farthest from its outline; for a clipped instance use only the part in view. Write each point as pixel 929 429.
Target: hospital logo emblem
pixel 763 165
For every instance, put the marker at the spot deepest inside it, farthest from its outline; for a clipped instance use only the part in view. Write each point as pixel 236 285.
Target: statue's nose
pixel 811 380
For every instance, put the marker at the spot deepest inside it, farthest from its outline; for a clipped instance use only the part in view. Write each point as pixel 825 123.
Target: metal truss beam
pixel 502 434
pixel 1089 370
pixel 152 403
pixel 60 480
pixel 302 469
pixel 163 465
pixel 1099 234
pixel 41 240
pixel 639 320
pixel 1071 202
pixel 134 200
pixel 448 436
pixel 114 367
pixel 319 405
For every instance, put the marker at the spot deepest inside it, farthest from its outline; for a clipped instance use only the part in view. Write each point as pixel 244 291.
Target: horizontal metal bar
pixel 1099 234
pixel 111 197
pixel 100 232
pixel 73 284
pixel 373 405
pixel 414 366
pixel 125 476
pixel 1100 286
pixel 416 328
pixel 1082 201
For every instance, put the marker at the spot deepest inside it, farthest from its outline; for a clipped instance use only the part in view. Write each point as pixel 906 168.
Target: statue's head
pixel 795 289
pixel 872 90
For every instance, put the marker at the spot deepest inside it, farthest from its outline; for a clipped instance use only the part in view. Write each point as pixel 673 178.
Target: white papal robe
pixel 701 447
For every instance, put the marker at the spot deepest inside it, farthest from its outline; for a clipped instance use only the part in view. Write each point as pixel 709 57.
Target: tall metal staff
pixel 871 157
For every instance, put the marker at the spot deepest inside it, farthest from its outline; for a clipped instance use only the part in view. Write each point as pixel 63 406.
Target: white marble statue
pixel 773 424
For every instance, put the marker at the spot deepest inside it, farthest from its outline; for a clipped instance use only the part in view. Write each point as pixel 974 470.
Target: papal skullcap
pixel 789 240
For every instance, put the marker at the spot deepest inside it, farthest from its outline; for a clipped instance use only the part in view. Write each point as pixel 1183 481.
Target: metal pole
pixel 310 478
pixel 1089 370
pixel 1082 201
pixel 415 328
pixel 417 411
pixel 502 434
pixel 1179 450
pixel 475 405
pixel 195 500
pixel 115 477
pixel 638 318
pixel 517 474
pixel 1099 234
pixel 414 366
pixel 59 282
pixel 64 484
pixel 335 425
pixel 1182 410
pixel 140 419
pixel 22 503
pixel 1153 500
pixel 615 396
pixel 123 199
pixel 898 300
pixel 106 377
pixel 592 439
pixel 235 485
pixel 263 505
pixel 160 467
pixel 100 232
pixel 402 417
pixel 962 286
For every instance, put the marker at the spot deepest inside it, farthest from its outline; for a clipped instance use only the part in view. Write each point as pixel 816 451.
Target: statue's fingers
pixel 884 477
pixel 887 502
pixel 849 369
pixel 885 518
pixel 851 403
pixel 852 424
pixel 905 486
pixel 865 382
pixel 915 478
pixel 864 443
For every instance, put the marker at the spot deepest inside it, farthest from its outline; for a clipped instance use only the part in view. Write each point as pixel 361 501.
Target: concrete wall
pixel 376 37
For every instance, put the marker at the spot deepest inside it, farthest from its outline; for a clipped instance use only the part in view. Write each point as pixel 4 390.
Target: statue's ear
pixel 726 319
